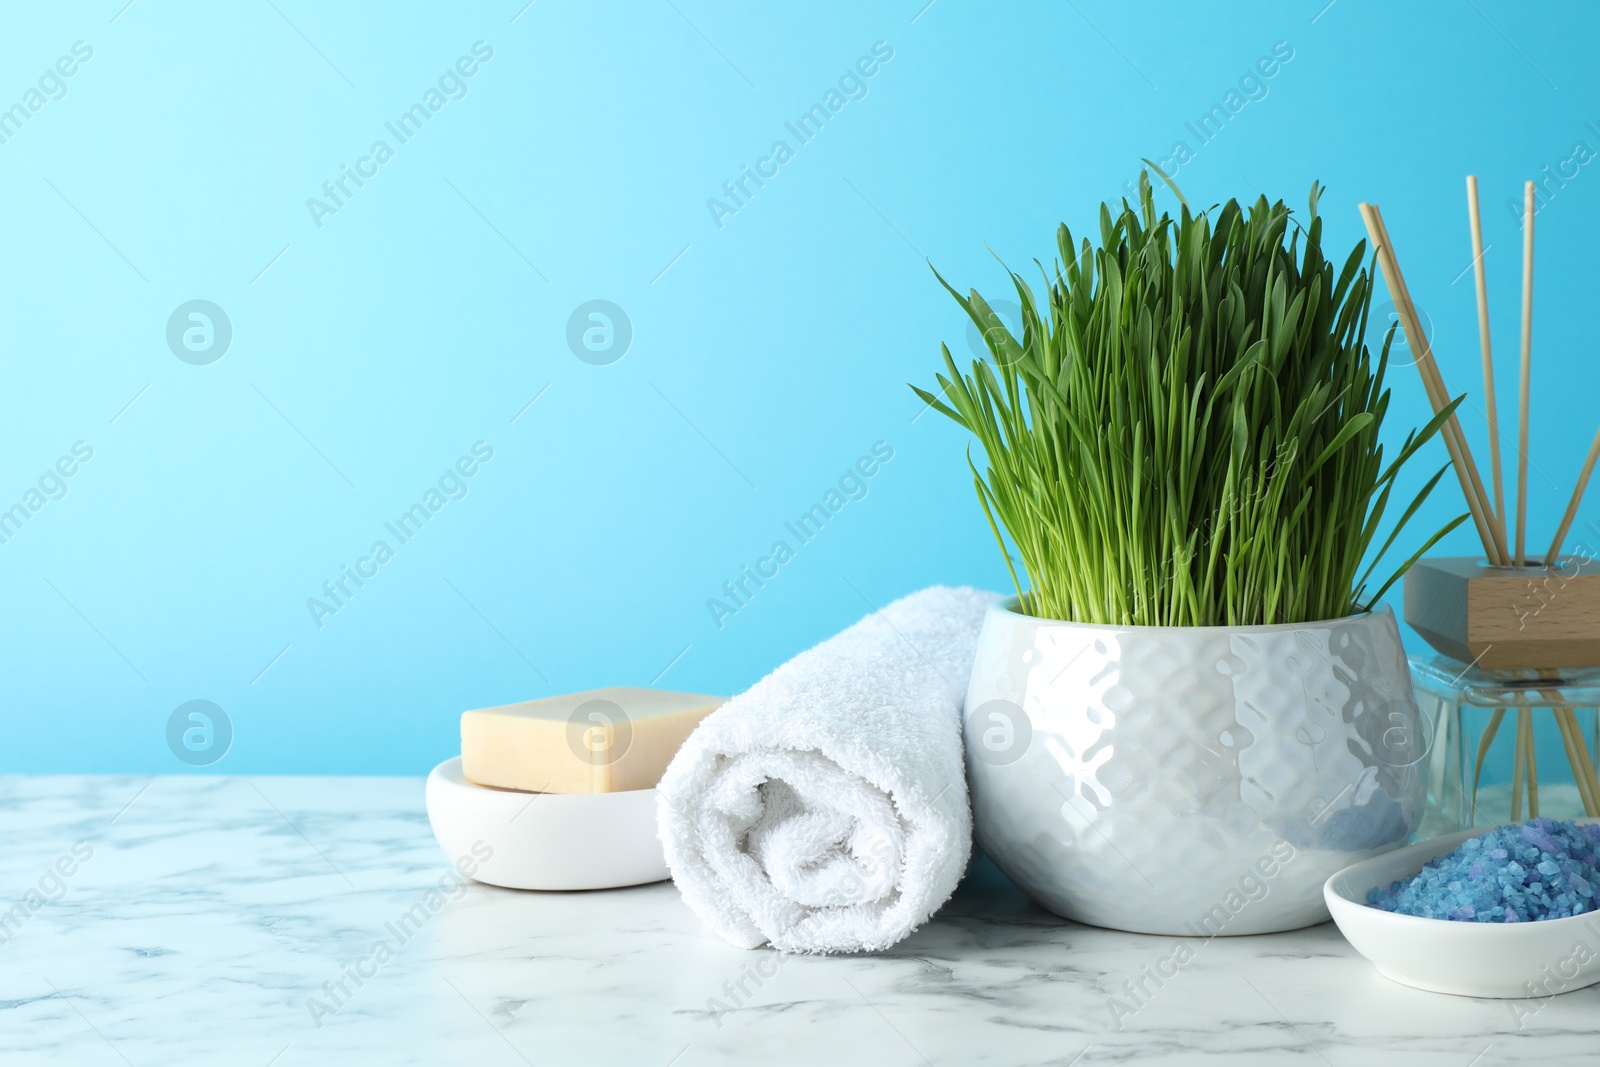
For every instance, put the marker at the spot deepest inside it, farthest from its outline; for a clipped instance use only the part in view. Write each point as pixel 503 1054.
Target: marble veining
pixel 216 918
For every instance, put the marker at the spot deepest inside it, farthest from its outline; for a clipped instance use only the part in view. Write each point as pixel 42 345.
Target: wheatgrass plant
pixel 1187 434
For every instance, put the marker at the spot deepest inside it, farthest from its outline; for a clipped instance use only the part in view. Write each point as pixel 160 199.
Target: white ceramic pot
pixel 1190 780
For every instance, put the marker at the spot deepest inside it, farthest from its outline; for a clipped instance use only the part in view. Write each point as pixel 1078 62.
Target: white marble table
pixel 212 909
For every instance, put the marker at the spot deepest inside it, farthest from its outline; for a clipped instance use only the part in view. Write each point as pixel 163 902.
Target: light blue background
pixel 766 358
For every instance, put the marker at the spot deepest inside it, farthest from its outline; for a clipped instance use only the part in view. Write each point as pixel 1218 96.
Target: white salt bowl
pixel 1468 959
pixel 520 840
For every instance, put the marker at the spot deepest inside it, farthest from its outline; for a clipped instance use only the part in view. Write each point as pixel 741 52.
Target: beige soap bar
pixel 602 741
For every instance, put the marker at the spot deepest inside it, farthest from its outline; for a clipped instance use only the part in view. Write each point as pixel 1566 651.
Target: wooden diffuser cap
pixel 1508 617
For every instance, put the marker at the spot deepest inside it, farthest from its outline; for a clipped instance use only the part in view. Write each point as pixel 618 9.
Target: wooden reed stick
pixel 1519 760
pixel 1433 384
pixel 1481 278
pixel 1527 366
pixel 1582 769
pixel 1483 751
pixel 1585 761
pixel 1572 505
pixel 1533 764
pixel 1572 758
pixel 1439 396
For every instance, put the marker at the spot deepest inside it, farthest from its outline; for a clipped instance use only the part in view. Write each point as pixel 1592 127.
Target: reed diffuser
pixel 1515 633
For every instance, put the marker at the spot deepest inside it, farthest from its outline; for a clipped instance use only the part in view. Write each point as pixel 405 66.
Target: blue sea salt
pixel 1541 869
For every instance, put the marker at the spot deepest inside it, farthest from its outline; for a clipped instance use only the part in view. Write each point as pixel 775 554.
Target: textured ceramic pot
pixel 1203 780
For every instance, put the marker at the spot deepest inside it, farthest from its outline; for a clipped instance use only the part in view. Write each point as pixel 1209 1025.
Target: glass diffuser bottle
pixel 1513 699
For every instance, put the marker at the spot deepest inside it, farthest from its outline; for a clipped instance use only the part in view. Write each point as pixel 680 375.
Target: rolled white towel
pixel 825 809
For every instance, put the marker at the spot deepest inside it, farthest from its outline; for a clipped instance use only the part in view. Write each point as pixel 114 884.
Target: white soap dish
pixel 545 840
pixel 1467 959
